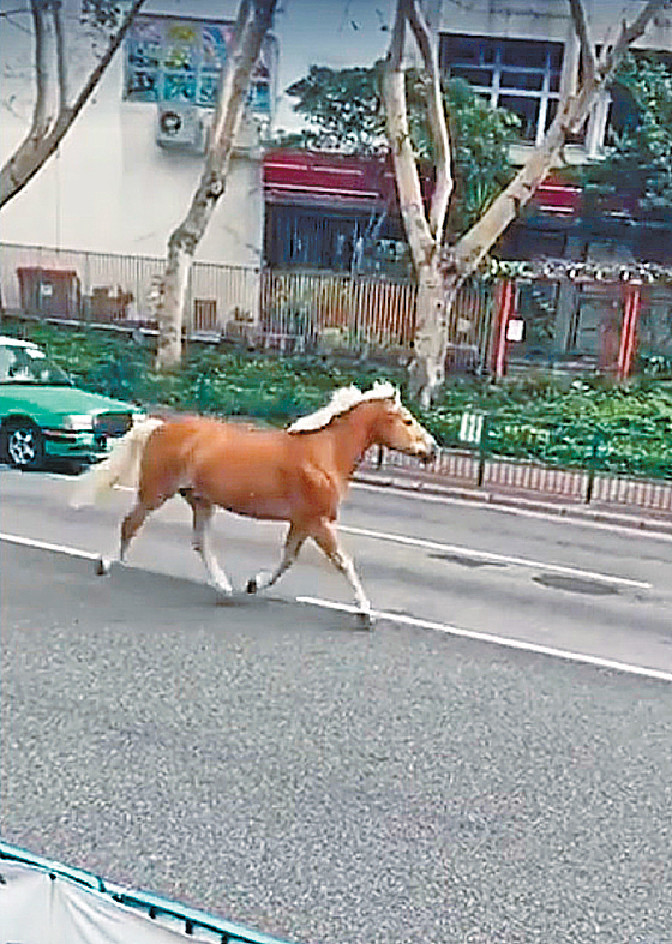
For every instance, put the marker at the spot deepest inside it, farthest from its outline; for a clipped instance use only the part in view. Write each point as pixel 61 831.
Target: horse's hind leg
pixel 295 538
pixel 202 512
pixel 325 536
pixel 129 528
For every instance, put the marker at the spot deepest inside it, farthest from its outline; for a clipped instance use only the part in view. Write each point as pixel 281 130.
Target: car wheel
pixel 23 444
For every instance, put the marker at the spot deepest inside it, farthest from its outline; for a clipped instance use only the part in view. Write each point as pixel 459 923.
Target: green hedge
pixel 560 421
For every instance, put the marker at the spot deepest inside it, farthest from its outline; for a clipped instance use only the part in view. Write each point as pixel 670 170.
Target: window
pixel 520 75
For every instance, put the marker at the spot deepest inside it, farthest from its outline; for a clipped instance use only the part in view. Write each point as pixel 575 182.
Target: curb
pixel 637 521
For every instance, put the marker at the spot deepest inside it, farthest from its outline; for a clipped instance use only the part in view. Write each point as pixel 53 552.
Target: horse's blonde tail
pixel 121 467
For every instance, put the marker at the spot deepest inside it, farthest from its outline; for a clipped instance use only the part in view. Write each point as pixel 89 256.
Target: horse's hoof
pixel 364 620
pixel 252 586
pixel 102 567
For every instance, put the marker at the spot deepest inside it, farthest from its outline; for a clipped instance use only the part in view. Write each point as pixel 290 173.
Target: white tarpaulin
pixel 37 909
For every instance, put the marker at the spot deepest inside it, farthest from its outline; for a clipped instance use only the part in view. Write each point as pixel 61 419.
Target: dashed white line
pixel 505 641
pixel 519 510
pixel 48 546
pixel 489 556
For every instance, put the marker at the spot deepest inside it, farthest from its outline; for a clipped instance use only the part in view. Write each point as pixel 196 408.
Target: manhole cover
pixel 576 584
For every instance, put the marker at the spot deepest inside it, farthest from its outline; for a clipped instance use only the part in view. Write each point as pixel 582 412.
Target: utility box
pixel 52 292
pixel 109 303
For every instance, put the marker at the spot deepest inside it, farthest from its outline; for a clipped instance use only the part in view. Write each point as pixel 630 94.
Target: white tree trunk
pixel 438 283
pixel 253 22
pixel 52 115
pixel 427 369
pixel 424 233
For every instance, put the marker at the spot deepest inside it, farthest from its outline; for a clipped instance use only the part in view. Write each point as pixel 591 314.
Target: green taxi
pixel 44 416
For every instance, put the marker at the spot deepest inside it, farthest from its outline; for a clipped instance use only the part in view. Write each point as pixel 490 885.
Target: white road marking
pixel 480 503
pixel 489 556
pixel 568 517
pixel 48 546
pixel 506 641
pixel 486 556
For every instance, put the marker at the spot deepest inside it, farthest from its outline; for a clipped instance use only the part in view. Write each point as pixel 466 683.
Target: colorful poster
pixel 178 86
pixel 215 43
pixel 182 45
pixel 207 89
pixel 143 59
pixel 179 60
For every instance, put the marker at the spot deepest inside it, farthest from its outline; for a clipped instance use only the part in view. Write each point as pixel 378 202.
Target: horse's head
pixel 397 428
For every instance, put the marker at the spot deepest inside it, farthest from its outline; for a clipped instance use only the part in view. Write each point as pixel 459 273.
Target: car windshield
pixel 29 366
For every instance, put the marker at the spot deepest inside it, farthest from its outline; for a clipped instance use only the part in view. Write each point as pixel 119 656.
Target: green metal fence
pixel 633 447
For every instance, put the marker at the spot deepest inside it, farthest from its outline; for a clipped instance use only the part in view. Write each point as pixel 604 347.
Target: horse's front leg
pixel 295 538
pixel 325 536
pixel 202 516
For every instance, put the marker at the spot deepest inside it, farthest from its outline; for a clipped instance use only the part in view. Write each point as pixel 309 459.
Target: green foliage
pixel 343 107
pixel 578 423
pixel 480 139
pixel 639 168
pixel 345 112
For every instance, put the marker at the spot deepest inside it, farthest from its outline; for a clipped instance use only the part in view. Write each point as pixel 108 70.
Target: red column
pixel 632 304
pixel 507 295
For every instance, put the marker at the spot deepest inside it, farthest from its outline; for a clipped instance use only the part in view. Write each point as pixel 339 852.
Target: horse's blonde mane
pixel 341 402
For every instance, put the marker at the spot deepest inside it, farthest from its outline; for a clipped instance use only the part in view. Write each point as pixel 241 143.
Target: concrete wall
pixel 112 188
pixel 546 19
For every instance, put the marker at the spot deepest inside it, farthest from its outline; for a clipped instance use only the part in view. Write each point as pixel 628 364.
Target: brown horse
pixel 299 474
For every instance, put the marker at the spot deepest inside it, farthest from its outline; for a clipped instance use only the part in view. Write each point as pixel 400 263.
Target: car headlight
pixel 83 422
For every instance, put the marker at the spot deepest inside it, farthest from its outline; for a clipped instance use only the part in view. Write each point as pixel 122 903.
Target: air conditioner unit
pixel 180 126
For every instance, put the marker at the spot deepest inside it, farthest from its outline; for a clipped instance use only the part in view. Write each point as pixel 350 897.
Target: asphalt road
pixel 263 761
pixel 542 581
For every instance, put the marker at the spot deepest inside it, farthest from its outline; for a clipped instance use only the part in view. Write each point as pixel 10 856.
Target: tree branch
pixel 60 58
pixel 252 23
pixel 629 34
pixel 437 121
pixel 254 19
pixel 35 150
pixel 583 34
pixel 416 227
pixel 474 245
pixel 42 116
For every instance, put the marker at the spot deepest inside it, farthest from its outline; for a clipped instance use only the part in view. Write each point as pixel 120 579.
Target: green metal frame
pixel 151 905
pixel 639 448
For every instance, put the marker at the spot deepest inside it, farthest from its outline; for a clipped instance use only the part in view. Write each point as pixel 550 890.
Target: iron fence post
pixel 482 450
pixel 592 464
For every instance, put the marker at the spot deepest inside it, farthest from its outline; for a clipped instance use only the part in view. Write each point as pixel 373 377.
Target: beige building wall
pixel 111 188
pixel 545 19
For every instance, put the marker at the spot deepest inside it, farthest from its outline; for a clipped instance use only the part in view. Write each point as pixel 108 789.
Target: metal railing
pixel 108 288
pixel 288 310
pixel 628 465
pixel 168 914
pixel 342 310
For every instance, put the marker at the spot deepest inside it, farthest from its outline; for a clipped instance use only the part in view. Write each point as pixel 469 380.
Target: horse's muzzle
pixel 431 452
